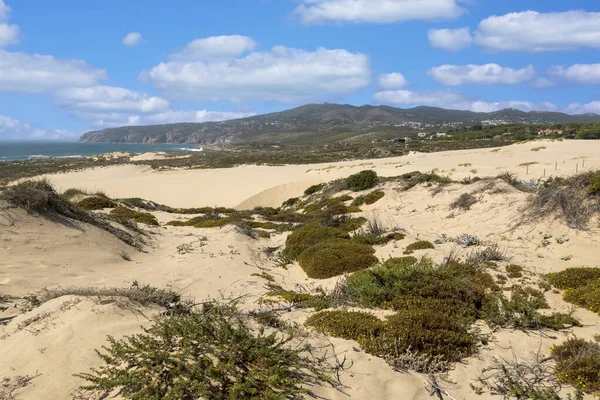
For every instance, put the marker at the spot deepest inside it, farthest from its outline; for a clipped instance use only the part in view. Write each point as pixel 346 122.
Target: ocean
pixel 10 151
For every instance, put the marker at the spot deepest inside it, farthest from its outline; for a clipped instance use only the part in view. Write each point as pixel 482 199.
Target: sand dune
pixel 229 187
pixel 57 339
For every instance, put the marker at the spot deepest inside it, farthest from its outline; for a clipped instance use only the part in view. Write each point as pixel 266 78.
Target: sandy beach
pixel 58 339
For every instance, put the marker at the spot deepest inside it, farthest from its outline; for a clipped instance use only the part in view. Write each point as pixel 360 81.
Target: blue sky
pixel 69 66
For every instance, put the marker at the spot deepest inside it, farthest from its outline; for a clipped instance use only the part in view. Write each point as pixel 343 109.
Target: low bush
pixel 313 189
pixel 290 202
pixel 415 178
pixel 514 271
pixel 308 236
pixel 72 192
pixel 40 197
pixel 587 296
pixel 362 181
pixel 123 214
pixel 423 332
pixel 572 278
pixel 464 202
pixel 301 300
pixel 96 203
pixel 482 256
pixel 335 257
pixel 420 245
pixel 594 185
pixel 578 364
pixel 211 355
pixel 374 197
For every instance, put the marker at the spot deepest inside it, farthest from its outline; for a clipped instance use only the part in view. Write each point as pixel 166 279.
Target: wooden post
pixel 583 164
pixel 577 168
pixel 544 172
pixel 556 165
pixel 528 170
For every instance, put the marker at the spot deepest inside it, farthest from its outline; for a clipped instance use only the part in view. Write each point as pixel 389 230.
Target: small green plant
pixel 362 181
pixel 211 355
pixel 335 257
pixel 308 236
pixel 578 364
pixel 123 214
pixel 514 271
pixel 586 296
pixel 572 278
pixel 314 189
pixel 374 197
pixel 594 185
pixel 96 203
pixel 290 202
pixel 419 245
pixel 72 192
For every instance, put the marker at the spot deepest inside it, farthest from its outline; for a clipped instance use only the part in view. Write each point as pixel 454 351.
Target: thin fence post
pixel 556 165
pixel 544 172
pixel 528 170
pixel 577 168
pixel 583 165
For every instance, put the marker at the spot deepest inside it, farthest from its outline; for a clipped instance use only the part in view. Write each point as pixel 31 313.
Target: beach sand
pixel 58 339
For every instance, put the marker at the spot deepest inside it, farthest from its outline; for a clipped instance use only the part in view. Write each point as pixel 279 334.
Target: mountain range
pixel 326 122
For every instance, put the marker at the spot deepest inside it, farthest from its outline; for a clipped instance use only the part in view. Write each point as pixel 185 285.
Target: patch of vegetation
pixel 419 245
pixel 572 278
pixel 335 257
pixel 301 300
pixel 144 295
pixel 578 364
pixel 290 202
pixel 314 189
pixel 309 235
pixel 362 181
pixel 587 296
pixel 423 332
pixel 72 192
pixel 538 148
pixel 8 386
pixel 211 354
pixel 123 214
pixel 514 271
pixel 576 199
pixel 490 253
pixel 412 179
pixel 374 197
pixel 38 196
pixel 367 237
pixel 464 202
pixel 96 203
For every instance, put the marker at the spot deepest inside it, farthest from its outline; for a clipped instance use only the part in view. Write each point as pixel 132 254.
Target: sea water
pixel 10 151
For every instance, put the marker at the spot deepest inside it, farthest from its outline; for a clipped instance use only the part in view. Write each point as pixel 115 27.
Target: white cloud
pixel 282 74
pixel 538 32
pixel 392 81
pixel 4 11
pixel 11 128
pixel 216 47
pixel 577 108
pixel 452 100
pixel 376 11
pixel 450 39
pixel 132 39
pixel 578 73
pixel 9 34
pixel 487 74
pixel 34 73
pixel 542 83
pixel 166 117
pixel 109 99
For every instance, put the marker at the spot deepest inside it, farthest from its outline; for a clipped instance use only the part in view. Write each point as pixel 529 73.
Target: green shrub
pixel 415 178
pixel 211 355
pixel 262 225
pixel 350 224
pixel 72 192
pixel 578 364
pixel 403 283
pixel 313 189
pixel 213 223
pixel 420 245
pixel 309 235
pixel 290 202
pixel 123 214
pixel 514 271
pixel 594 185
pixel 587 296
pixel 423 332
pixel 335 257
pixel 362 181
pixel 572 278
pixel 34 195
pixel 96 203
pixel 374 197
pixel 352 325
